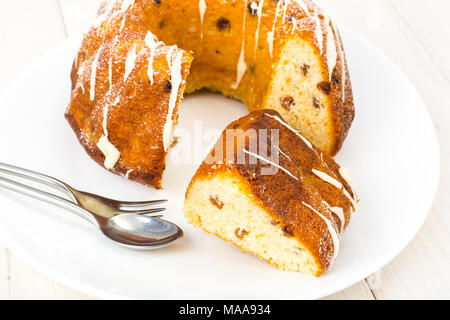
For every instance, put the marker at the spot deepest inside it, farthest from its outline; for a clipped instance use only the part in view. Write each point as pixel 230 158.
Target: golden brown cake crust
pixel 136 109
pixel 286 198
pixel 217 51
pixel 226 30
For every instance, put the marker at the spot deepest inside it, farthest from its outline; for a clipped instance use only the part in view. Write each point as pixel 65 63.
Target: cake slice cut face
pixel 271 192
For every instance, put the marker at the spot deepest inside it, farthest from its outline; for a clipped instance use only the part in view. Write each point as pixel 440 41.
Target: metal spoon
pixel 135 231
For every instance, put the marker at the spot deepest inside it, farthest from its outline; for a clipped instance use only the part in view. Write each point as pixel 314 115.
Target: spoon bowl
pixel 141 232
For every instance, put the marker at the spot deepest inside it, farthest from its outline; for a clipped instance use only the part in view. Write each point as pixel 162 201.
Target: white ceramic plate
pixel 391 151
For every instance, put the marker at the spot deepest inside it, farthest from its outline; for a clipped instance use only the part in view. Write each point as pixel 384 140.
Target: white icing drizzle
pixel 259 13
pixel 333 233
pixel 202 9
pixel 126 4
pixel 111 153
pixel 286 3
pixel 113 16
pixel 100 19
pixel 105 116
pixel 269 162
pixel 175 71
pixel 318 30
pixel 292 129
pixel 241 66
pixel 331 48
pixel 270 42
pixel 122 25
pixel 281 151
pixel 349 197
pixel 127 176
pixel 130 62
pixel 294 25
pixel 110 73
pixel 341 54
pixel 339 212
pixel 94 73
pixel 325 177
pixel 271 34
pixel 345 174
pixel 81 69
pixel 152 42
pixel 303 6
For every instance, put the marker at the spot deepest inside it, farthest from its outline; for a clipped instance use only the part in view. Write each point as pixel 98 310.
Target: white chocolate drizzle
pixel 292 129
pixel 202 9
pixel 152 42
pixel 175 72
pixel 130 63
pixel 81 69
pixel 113 16
pixel 110 73
pixel 102 17
pixel 271 34
pixel 126 5
pixel 318 30
pixel 259 13
pixel 333 233
pixel 127 175
pixel 339 212
pixel 105 116
pixel 341 54
pixel 281 151
pixel 304 7
pixel 325 177
pixel 94 73
pixel 345 174
pixel 111 153
pixel 331 48
pixel 349 197
pixel 241 66
pixel 257 156
pixel 286 3
pixel 122 25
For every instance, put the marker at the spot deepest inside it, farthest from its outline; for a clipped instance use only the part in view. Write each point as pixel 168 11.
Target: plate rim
pixel 95 291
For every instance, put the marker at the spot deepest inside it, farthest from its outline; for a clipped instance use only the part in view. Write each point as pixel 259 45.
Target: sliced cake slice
pixel 268 190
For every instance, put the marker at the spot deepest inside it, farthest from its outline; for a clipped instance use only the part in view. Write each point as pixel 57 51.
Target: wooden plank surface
pixel 414 33
pixel 428 21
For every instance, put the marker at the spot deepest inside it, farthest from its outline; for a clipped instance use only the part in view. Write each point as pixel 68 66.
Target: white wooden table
pixel 414 33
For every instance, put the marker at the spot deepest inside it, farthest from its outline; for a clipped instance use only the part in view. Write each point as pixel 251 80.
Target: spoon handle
pixel 46 197
pixel 38 177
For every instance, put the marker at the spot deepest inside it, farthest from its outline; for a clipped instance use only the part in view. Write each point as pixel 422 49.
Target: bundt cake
pixel 270 191
pixel 129 74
